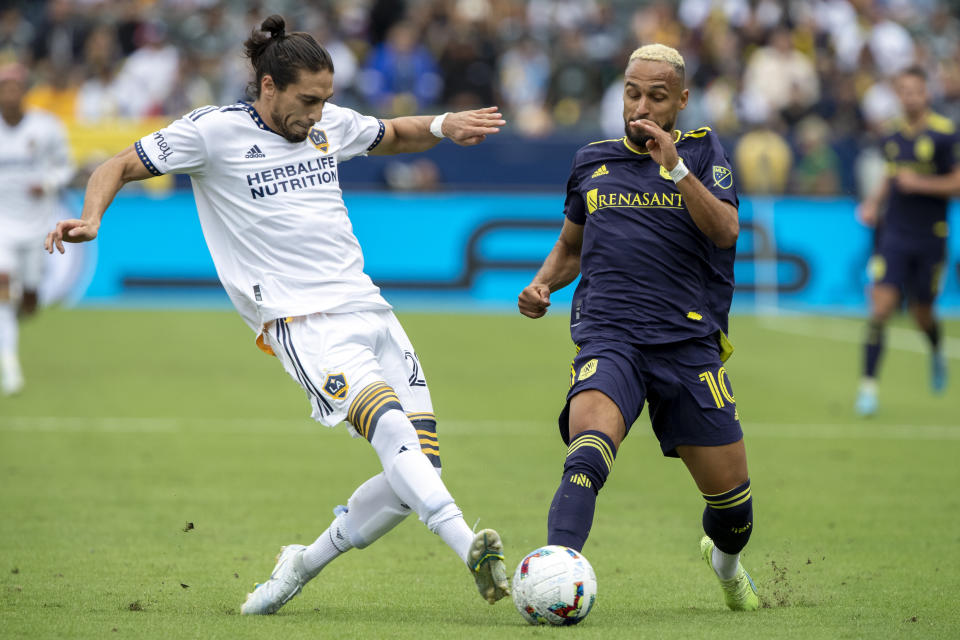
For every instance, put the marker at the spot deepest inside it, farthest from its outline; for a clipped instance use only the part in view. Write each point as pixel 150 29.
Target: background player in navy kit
pixel 923 160
pixel 651 223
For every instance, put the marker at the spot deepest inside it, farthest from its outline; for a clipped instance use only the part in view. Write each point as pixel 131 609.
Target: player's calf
pixel 589 461
pixel 728 523
pixel 378 415
pixel 728 518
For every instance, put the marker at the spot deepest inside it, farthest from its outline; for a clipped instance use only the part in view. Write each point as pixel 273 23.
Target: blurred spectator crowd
pixel 798 89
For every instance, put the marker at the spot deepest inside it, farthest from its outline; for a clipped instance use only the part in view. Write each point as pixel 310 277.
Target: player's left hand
pixel 472 127
pixel 661 146
pixel 907 180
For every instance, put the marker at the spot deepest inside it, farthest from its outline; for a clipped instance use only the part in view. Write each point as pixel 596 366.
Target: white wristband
pixel 437 124
pixel 679 172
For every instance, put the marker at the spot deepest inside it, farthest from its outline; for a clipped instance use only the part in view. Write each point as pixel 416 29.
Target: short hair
pixel 660 53
pixel 916 71
pixel 281 55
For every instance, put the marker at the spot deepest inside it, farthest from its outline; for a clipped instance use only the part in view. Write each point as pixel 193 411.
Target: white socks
pixel 454 531
pixel 9 331
pixel 327 547
pixel 725 564
pixel 11 376
pixel 416 482
pixel 381 503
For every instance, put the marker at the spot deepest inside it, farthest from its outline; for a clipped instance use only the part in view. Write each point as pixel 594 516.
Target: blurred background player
pixel 34 167
pixel 909 209
pixel 652 225
pixel 265 179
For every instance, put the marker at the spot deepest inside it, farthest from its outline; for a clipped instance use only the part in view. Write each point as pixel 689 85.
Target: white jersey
pixel 271 210
pixel 33 153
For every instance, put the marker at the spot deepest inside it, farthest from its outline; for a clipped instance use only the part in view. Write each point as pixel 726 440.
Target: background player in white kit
pixel 34 167
pixel 264 177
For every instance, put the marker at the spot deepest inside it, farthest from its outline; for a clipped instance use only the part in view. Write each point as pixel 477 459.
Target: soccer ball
pixel 554 585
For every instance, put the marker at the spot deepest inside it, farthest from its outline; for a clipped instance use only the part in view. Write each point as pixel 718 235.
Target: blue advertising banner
pixel 478 250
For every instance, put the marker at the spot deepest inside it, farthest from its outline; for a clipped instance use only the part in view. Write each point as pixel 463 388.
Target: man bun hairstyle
pixel 281 55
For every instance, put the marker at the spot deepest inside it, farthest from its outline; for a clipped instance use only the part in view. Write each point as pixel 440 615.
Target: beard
pixel 285 131
pixel 640 139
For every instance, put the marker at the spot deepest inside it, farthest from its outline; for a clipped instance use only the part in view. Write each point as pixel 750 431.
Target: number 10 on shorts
pixel 719 386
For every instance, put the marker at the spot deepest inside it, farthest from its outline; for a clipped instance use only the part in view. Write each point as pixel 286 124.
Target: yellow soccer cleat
pixel 739 592
pixel 485 560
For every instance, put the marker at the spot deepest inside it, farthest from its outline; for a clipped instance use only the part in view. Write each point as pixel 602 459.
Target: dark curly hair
pixel 281 55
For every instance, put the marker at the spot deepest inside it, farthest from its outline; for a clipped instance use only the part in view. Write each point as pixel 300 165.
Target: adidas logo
pixel 602 171
pixel 255 152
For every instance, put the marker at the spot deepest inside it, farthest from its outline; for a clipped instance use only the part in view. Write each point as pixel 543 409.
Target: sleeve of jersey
pixel 573 206
pixel 177 148
pixel 714 170
pixel 361 134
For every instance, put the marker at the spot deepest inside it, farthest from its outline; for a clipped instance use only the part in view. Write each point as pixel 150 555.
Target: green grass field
pixel 135 423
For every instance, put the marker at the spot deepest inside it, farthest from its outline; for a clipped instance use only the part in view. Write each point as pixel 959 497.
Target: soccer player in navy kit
pixel 923 160
pixel 651 225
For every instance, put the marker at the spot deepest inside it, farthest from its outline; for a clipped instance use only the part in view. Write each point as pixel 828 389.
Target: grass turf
pixel 136 423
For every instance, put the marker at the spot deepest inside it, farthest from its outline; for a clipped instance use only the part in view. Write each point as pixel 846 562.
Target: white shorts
pixel 340 358
pixel 23 261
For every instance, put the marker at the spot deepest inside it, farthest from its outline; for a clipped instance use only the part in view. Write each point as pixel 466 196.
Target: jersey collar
pixel 246 106
pixel 676 138
pixel 912 132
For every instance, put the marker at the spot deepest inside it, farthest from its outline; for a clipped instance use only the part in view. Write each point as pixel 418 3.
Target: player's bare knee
pixel 5 287
pixel 593 410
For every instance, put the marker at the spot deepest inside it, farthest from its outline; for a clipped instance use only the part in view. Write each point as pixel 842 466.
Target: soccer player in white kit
pixel 265 180
pixel 34 167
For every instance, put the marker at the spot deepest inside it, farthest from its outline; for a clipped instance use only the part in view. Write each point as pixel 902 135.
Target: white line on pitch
pixel 288 426
pixel 846 330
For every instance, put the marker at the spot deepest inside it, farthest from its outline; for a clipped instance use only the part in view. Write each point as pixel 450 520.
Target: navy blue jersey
pixel 910 219
pixel 649 275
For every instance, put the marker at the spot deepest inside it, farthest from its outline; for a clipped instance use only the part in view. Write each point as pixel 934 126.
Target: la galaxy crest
pixel 319 139
pixel 722 177
pixel 336 386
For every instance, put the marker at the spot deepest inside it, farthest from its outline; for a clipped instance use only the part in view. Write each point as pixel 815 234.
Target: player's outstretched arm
pixel 104 183
pixel 410 134
pixel 559 269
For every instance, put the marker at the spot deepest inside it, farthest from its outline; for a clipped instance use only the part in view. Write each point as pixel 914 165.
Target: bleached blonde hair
pixel 660 53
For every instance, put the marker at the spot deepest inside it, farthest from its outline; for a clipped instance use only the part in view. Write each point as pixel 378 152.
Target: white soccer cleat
pixel 285 582
pixel 485 560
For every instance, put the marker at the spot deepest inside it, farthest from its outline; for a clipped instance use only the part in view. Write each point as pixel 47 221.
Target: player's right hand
pixel 74 230
pixel 534 300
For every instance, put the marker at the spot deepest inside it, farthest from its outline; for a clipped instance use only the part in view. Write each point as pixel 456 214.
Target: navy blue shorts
pixel 686 384
pixel 914 271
